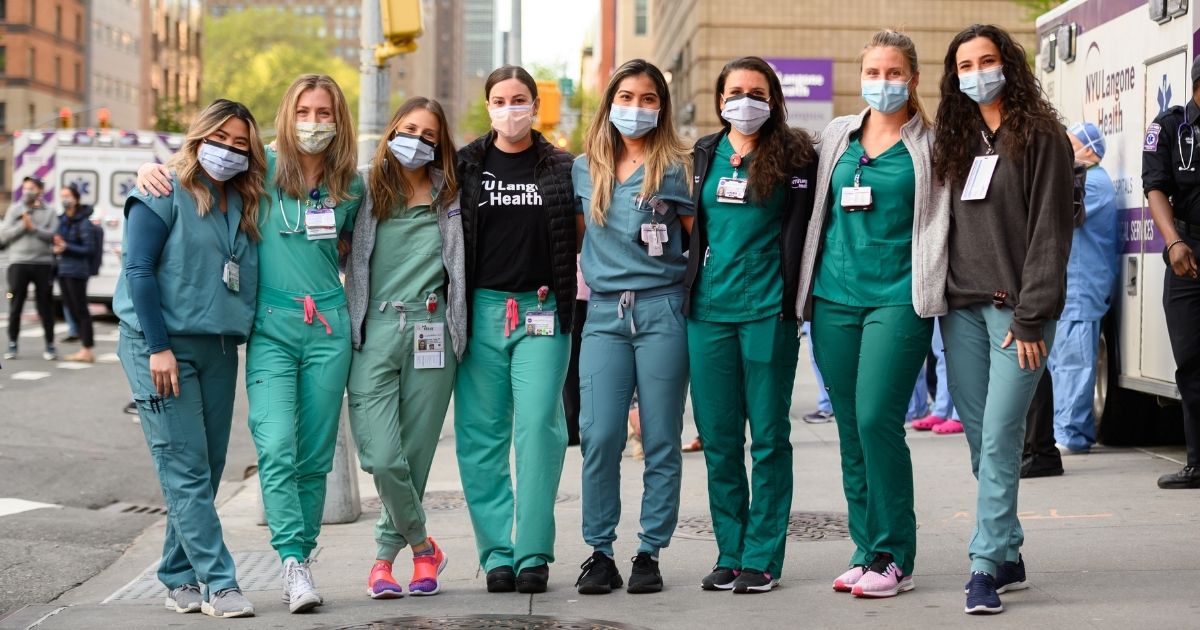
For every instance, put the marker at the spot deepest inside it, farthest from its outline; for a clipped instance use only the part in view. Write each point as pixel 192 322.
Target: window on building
pixel 3 120
pixel 58 72
pixel 78 76
pixel 33 12
pixel 32 116
pixel 32 63
pixel 3 60
pixel 58 20
pixel 640 16
pixel 78 27
pixel 3 10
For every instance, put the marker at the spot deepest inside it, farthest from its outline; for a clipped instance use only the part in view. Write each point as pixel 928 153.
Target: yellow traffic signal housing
pixel 551 103
pixel 402 25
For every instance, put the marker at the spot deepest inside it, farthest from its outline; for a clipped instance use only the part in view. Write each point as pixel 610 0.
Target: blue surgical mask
pixel 746 113
pixel 983 86
pixel 633 122
pixel 222 161
pixel 885 97
pixel 412 151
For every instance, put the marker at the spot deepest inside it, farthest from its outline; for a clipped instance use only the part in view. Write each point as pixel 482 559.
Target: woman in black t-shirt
pixel 519 229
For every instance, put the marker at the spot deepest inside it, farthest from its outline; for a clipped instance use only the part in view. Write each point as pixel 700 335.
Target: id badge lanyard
pixel 857 198
pixel 230 270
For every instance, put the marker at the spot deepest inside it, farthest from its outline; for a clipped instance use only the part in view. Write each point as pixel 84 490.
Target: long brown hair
pixel 1024 108
pixel 248 184
pixel 603 142
pixel 386 181
pixel 780 149
pixel 889 38
pixel 341 156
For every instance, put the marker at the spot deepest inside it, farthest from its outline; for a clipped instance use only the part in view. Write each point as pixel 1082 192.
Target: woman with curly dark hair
pixel 752 194
pixel 1006 158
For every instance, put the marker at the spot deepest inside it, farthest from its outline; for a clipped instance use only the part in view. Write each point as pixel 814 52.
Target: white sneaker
pixel 298 590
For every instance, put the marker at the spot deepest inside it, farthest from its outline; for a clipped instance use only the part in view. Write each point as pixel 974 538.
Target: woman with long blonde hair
pixel 185 299
pixel 298 359
pixel 405 283
pixel 632 184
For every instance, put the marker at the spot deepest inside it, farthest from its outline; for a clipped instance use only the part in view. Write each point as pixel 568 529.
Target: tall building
pixel 113 75
pixel 170 61
pixel 42 51
pixel 633 27
pixel 814 44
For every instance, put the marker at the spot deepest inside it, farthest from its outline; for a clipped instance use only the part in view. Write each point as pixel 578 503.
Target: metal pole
pixel 514 35
pixel 373 86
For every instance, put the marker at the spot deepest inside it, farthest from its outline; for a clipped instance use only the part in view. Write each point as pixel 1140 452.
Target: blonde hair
pixel 248 184
pixel 889 38
pixel 602 143
pixel 385 181
pixel 341 156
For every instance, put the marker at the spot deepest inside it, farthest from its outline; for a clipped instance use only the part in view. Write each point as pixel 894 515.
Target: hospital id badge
pixel 731 190
pixel 320 223
pixel 231 275
pixel 429 345
pixel 654 235
pixel 856 198
pixel 539 323
pixel 979 178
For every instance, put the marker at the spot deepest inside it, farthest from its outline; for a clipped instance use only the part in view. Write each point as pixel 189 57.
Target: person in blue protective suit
pixel 185 299
pixel 1091 272
pixel 298 356
pixel 632 184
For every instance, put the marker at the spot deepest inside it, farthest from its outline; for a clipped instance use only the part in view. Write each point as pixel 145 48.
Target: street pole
pixel 373 85
pixel 514 35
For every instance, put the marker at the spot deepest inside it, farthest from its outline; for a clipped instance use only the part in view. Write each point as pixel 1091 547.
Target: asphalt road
pixel 65 441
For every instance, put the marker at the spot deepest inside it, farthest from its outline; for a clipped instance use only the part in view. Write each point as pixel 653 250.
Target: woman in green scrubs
pixel 405 285
pixel 753 196
pixel 873 276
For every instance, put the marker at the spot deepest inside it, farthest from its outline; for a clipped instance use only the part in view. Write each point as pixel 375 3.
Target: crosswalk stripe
pixel 9 506
pixel 30 376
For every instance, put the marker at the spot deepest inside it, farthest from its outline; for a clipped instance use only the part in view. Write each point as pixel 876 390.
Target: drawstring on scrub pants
pixel 628 300
pixel 310 309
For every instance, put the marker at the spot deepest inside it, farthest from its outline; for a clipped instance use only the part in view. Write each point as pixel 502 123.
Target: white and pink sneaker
pixel 846 581
pixel 882 579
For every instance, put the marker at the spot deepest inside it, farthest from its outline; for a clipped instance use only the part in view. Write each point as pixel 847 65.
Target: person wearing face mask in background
pixel 632 184
pixel 1003 155
pixel 519 231
pixel 186 299
pixel 27 236
pixel 872 278
pixel 76 246
pixel 405 286
pixel 753 192
pixel 298 356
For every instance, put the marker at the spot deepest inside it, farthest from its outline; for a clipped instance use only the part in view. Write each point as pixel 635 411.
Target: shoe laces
pixel 982 584
pixel 592 563
pixel 298 577
pixel 881 563
pixel 642 561
pixel 225 591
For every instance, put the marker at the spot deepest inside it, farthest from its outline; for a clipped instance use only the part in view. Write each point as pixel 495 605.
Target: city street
pixel 1104 546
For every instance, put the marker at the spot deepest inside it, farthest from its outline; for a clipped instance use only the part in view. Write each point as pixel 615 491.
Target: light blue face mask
pixel 885 97
pixel 222 161
pixel 633 122
pixel 983 86
pixel 412 151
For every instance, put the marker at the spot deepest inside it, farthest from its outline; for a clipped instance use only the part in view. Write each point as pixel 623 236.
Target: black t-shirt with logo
pixel 514 232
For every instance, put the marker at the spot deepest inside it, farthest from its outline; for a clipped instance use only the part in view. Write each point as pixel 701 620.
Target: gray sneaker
pixel 298 590
pixel 819 417
pixel 11 353
pixel 185 599
pixel 228 603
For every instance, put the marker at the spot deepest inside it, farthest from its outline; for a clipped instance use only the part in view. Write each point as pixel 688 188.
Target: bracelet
pixel 1167 251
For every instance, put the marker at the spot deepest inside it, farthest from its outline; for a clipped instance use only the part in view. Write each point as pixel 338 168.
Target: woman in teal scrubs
pixel 185 299
pixel 405 285
pixel 873 276
pixel 753 199
pixel 298 357
pixel 635 201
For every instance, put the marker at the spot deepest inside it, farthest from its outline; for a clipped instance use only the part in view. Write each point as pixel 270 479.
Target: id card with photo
pixel 429 345
pixel 653 236
pixel 856 198
pixel 539 323
pixel 320 223
pixel 980 177
pixel 231 275
pixel 731 190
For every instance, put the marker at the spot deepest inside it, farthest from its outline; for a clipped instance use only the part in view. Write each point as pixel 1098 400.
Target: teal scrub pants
pixel 745 371
pixel 188 437
pixel 992 395
pixel 295 378
pixel 509 390
pixel 870 357
pixel 639 341
pixel 396 415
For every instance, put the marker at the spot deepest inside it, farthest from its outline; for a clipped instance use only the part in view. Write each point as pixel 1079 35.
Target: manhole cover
pixel 477 622
pixel 442 500
pixel 802 526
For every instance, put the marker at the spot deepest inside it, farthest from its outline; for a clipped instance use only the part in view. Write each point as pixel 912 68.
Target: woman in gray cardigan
pixel 405 283
pixel 872 277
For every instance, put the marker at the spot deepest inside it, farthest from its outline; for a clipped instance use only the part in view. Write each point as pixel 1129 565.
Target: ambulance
pixel 102 164
pixel 1119 64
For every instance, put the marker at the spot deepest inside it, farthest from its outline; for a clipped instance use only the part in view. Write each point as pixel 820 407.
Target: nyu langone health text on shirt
pixel 500 193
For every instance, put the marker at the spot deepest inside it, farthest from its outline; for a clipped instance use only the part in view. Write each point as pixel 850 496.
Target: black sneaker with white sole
pixel 751 581
pixel 721 579
pixel 644 577
pixel 600 575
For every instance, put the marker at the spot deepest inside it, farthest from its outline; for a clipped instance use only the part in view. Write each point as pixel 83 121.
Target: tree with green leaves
pixel 1038 7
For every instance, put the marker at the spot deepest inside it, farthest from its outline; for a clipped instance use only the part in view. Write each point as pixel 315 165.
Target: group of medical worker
pixel 461 278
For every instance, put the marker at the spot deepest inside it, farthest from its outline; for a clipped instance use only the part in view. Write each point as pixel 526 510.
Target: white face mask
pixel 413 152
pixel 512 122
pixel 747 113
pixel 222 161
pixel 314 137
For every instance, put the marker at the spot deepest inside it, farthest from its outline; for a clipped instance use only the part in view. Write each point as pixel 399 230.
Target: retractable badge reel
pixel 429 339
pixel 540 323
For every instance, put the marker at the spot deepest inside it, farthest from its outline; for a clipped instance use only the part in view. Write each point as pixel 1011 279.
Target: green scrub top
pixel 290 262
pixel 866 258
pixel 406 263
pixel 614 258
pixel 741 278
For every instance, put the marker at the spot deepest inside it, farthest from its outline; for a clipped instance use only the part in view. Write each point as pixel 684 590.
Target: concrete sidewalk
pixel 1105 548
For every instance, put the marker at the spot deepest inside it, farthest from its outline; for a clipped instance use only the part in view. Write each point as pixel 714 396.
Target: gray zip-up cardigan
pixel 931 218
pixel 358 268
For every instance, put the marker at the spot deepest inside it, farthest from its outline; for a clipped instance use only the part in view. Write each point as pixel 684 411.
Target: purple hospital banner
pixel 807 89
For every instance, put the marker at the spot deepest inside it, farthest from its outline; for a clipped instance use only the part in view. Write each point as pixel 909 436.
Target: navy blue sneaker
pixel 982 598
pixel 1010 576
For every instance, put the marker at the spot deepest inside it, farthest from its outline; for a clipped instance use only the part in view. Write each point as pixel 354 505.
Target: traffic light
pixel 551 103
pixel 103 116
pixel 64 118
pixel 402 25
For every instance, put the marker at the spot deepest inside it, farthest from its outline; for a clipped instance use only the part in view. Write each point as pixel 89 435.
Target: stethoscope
pixel 1186 166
